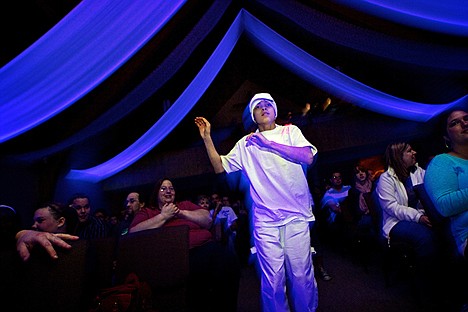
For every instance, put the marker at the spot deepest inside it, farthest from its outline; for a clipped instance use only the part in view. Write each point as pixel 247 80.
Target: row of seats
pixel 398 258
pixel 159 256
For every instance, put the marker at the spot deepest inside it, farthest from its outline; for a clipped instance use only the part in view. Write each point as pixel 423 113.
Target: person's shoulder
pixel 445 158
pixel 385 177
pixel 288 128
pixel 188 205
pixel 95 220
pixel 445 161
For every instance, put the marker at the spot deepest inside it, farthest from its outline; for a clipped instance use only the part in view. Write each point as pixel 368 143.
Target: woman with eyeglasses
pixel 404 222
pixel 446 179
pixel 214 271
pixel 165 211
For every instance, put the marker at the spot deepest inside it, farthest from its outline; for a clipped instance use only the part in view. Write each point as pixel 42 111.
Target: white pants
pixel 287 271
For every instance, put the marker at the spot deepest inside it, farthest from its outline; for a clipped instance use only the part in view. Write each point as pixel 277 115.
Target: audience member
pixel 274 159
pixel 133 204
pixel 204 202
pixel 404 219
pixel 446 179
pixel 359 209
pixel 26 240
pixel 214 272
pixel 224 215
pixel 55 218
pixel 102 214
pixel 336 210
pixel 89 226
pixel 446 183
pixel 215 201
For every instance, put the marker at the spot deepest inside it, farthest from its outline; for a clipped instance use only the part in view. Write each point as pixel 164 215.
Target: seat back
pixel 103 253
pixel 161 258
pixel 441 224
pixel 45 284
pixel 375 211
pixel 431 211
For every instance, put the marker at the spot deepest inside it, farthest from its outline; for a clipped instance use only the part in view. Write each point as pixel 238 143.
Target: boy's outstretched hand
pixel 203 126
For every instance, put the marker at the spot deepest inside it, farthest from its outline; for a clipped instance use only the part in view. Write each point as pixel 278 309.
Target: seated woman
pixel 53 225
pixel 362 184
pixel 55 218
pixel 404 219
pixel 214 271
pixel 446 183
pixel 446 179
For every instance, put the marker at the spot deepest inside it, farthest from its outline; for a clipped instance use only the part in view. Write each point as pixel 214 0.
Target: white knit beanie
pixel 259 97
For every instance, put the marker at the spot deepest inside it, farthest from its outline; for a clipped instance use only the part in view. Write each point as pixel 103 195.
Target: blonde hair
pixel 394 159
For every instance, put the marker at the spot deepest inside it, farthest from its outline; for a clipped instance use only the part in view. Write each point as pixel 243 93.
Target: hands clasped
pixel 170 210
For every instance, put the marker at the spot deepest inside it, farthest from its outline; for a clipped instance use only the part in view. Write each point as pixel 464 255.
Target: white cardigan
pixel 394 200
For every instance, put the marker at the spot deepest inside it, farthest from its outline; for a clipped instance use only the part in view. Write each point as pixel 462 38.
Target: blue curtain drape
pixel 97 37
pixel 291 57
pixel 75 56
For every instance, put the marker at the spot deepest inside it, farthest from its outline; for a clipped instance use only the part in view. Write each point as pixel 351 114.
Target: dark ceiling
pixel 246 72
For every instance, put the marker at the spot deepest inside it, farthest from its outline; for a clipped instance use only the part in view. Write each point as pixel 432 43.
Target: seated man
pixel 225 219
pixel 335 207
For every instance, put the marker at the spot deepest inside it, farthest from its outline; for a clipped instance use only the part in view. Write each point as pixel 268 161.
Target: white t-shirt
pixel 227 213
pixel 278 187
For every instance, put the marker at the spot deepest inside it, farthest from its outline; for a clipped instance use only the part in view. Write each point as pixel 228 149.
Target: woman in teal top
pixel 446 179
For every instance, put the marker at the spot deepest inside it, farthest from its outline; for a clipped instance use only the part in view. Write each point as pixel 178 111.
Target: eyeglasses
pixel 165 188
pixel 336 177
pixel 455 122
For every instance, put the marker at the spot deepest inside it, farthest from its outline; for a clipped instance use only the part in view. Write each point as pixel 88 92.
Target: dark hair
pixel 79 195
pixel 394 159
pixel 358 168
pixel 203 196
pixel 141 197
pixel 57 210
pixel 441 125
pixel 332 173
pixel 155 194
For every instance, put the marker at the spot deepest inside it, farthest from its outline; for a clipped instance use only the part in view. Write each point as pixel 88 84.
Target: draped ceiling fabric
pixel 144 90
pixel 76 55
pixel 449 17
pixel 264 38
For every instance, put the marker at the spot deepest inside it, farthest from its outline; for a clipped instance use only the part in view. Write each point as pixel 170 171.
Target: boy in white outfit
pixel 274 160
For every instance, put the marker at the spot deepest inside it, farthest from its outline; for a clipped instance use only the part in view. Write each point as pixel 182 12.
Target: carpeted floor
pixel 354 287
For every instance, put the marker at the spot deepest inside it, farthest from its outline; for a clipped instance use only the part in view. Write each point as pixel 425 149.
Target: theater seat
pixel 396 259
pixel 161 258
pixel 44 284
